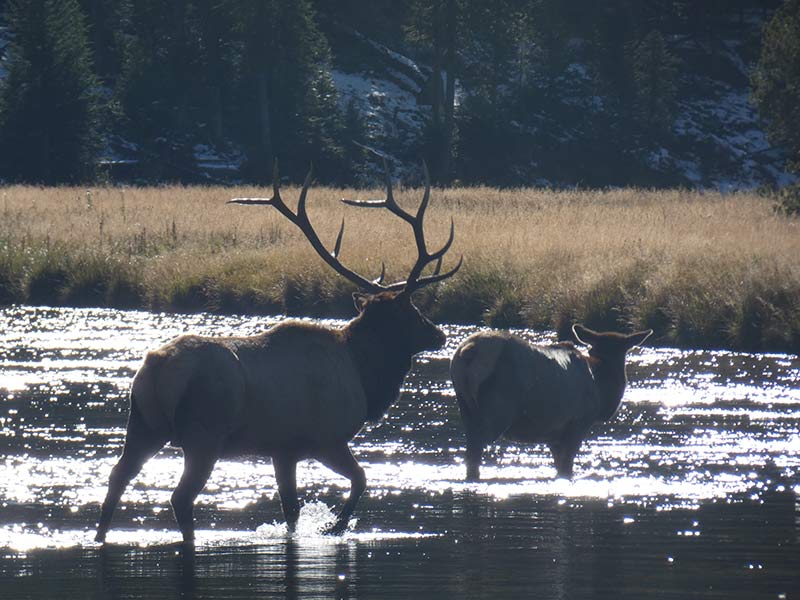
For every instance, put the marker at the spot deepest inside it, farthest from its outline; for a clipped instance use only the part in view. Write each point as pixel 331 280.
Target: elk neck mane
pixel 382 365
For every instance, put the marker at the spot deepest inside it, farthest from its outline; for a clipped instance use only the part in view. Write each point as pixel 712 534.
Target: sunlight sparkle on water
pixel 693 426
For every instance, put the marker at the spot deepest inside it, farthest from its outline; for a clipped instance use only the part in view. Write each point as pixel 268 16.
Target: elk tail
pixel 472 365
pixel 145 398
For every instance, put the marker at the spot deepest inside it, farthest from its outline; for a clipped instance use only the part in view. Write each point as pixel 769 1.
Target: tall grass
pixel 702 269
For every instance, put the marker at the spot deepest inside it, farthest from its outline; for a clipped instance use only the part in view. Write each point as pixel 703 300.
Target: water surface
pixel 690 491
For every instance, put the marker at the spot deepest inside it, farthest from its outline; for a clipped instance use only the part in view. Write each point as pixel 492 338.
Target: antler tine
pixel 276 182
pixel 423 281
pixel 424 258
pixel 427 195
pixel 380 278
pixel 443 250
pixel 388 202
pixel 276 199
pixel 301 202
pixel 301 220
pixel 389 195
pixel 338 246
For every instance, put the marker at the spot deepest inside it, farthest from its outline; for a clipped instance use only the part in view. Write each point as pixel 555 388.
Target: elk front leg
pixel 557 452
pixel 474 455
pixel 341 460
pixel 565 450
pixel 285 466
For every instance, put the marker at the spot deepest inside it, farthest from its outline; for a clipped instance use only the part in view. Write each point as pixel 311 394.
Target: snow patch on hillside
pixel 718 138
pixel 401 60
pixel 721 139
pixel 214 162
pixel 392 118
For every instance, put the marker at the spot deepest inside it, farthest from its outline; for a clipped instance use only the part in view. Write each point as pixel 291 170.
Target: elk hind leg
pixel 201 448
pixel 474 455
pixel 484 421
pixel 141 444
pixel 475 443
pixel 340 459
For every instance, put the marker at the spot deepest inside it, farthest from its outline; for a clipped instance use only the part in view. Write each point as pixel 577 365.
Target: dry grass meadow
pixel 702 269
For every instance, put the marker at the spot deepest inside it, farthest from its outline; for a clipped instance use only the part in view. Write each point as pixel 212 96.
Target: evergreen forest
pixel 557 93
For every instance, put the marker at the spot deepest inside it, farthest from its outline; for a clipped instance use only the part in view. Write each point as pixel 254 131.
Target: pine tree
pixel 433 25
pixel 49 101
pixel 655 73
pixel 494 76
pixel 219 58
pixel 106 20
pixel 776 80
pixel 157 88
pixel 289 101
pixel 177 88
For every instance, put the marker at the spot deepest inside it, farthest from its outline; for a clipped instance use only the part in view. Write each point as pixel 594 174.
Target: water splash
pixel 315 518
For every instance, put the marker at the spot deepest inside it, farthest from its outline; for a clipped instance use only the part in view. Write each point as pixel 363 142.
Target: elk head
pixel 609 346
pixel 607 361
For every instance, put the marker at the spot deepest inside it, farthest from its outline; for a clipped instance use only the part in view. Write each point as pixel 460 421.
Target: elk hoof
pixel 337 528
pixel 473 474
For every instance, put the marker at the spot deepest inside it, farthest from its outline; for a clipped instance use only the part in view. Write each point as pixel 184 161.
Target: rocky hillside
pixel 717 139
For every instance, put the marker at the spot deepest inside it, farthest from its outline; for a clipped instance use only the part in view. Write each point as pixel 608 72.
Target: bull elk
pixel 296 391
pixel 528 393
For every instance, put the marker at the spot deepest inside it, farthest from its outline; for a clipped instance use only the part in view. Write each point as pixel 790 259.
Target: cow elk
pixel 528 393
pixel 297 391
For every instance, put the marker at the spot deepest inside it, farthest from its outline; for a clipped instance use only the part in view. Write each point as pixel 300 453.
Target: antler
pixel 414 280
pixel 301 220
pixel 424 258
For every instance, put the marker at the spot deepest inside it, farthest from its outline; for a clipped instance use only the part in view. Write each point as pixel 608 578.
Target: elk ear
pixel 636 339
pixel 360 300
pixel 584 335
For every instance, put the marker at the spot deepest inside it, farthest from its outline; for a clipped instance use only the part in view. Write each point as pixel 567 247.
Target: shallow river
pixel 691 491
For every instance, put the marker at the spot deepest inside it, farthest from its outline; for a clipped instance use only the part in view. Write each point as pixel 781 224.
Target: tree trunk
pixel 46 159
pixel 436 90
pixel 215 68
pixel 264 122
pixel 180 59
pixel 450 93
pixel 217 129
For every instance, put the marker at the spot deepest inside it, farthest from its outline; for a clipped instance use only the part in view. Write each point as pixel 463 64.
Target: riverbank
pixel 702 269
